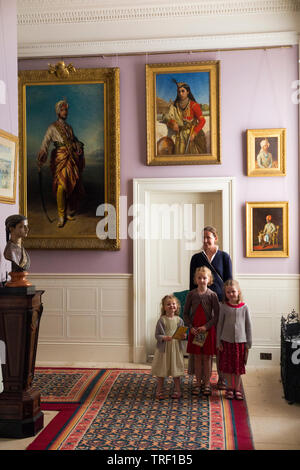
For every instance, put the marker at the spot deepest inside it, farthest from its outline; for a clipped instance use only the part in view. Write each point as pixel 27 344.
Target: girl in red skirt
pixel 201 312
pixel 233 338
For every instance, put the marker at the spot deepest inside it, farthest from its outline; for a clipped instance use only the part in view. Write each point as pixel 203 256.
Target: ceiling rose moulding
pixel 34 12
pixel 143 46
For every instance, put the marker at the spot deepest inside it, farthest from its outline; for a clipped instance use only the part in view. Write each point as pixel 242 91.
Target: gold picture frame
pixel 9 147
pixel 266 152
pixel 94 117
pixel 267 229
pixel 183 127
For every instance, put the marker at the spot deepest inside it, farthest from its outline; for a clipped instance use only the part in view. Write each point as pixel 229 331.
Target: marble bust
pixel 16 230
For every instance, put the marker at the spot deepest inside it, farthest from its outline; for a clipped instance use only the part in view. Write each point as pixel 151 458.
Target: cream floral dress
pixel 170 362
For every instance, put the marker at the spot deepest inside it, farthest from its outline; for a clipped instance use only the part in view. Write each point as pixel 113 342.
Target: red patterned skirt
pixel 232 358
pixel 209 347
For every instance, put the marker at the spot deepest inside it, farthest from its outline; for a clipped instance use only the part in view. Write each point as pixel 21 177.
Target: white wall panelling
pixel 86 318
pixel 269 297
pixel 72 334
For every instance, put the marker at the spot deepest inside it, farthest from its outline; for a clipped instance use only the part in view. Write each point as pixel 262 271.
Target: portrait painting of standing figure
pixel 69 156
pixel 183 113
pixel 267 229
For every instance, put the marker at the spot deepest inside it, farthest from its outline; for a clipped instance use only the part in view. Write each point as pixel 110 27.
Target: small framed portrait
pixel 183 113
pixel 266 152
pixel 267 230
pixel 8 167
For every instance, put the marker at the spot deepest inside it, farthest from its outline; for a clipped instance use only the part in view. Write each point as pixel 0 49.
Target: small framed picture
pixel 266 152
pixel 267 230
pixel 8 167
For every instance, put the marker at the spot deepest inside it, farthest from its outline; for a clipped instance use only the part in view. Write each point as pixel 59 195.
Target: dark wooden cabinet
pixel 20 412
pixel 290 364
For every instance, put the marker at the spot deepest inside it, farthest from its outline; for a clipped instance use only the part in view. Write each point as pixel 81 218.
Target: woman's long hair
pixel 187 88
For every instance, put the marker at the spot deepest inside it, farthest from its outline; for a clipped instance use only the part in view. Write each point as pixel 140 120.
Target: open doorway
pixel 169 223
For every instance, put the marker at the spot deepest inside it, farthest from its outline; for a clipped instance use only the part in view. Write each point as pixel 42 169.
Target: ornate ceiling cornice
pixel 37 12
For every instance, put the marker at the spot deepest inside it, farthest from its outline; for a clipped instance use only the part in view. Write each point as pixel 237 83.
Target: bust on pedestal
pixel 16 230
pixel 20 312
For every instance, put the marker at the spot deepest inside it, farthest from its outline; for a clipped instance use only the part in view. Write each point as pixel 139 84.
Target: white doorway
pixel 169 216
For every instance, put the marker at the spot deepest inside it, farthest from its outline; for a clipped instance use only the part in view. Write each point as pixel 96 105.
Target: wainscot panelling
pixel 86 318
pixel 269 297
pixel 89 318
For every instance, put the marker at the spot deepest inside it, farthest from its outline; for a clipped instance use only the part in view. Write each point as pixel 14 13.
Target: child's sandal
pixel 159 396
pixel 238 395
pixel 207 390
pixel 229 394
pixel 221 385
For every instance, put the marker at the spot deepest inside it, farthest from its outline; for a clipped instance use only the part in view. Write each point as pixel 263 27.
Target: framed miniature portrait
pixel 69 156
pixel 267 230
pixel 183 113
pixel 8 167
pixel 266 152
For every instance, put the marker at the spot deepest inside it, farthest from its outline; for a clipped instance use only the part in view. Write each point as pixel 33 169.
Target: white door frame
pixel 142 188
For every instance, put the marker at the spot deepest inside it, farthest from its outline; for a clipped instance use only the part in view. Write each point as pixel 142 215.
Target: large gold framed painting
pixel 183 113
pixel 70 157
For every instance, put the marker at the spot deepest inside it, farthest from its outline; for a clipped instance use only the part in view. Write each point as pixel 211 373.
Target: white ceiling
pixel 85 27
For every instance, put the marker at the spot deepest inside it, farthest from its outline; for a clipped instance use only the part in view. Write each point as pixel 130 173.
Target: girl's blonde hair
pixel 207 271
pixel 232 283
pixel 162 304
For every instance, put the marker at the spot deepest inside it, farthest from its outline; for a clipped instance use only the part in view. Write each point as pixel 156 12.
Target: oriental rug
pixel 116 409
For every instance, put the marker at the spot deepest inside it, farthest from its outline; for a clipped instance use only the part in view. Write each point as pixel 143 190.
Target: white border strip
pixel 196 43
pixel 37 12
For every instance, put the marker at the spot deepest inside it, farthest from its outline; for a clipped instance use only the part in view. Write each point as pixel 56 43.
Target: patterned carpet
pixel 116 409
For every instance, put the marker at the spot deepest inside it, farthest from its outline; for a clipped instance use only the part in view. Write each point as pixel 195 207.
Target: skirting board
pixel 79 352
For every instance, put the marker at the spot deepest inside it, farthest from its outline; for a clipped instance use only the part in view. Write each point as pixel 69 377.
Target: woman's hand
pixel 201 329
pixel 220 348
pixel 194 330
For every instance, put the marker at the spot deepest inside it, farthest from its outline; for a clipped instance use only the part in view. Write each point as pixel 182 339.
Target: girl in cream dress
pixel 168 357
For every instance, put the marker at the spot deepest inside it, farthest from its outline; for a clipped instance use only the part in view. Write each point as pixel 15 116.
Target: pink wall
pixel 255 93
pixel 8 110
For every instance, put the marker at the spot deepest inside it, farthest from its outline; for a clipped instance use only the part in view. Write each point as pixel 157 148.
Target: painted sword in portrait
pixel 65 153
pixel 184 128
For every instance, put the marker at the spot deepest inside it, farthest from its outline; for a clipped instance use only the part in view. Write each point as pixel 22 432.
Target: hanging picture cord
pixel 154 53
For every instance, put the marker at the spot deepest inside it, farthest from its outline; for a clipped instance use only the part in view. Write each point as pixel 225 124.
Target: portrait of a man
pixel 69 156
pixel 67 163
pixel 267 229
pixel 65 132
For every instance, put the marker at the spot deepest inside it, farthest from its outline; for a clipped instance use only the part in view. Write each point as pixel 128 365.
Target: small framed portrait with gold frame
pixel 266 152
pixel 267 229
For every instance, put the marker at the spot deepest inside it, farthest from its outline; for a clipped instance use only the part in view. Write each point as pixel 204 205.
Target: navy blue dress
pixel 221 268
